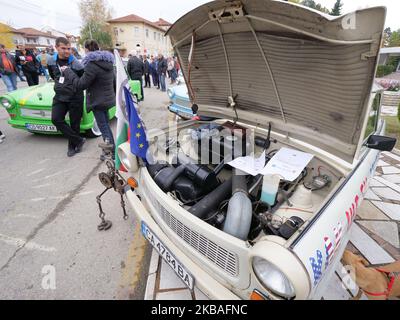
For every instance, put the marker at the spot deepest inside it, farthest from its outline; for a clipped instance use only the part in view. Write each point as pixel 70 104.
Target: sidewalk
pixel 375 236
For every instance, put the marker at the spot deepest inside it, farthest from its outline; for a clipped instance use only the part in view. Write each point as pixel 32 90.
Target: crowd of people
pixel 158 68
pixel 72 75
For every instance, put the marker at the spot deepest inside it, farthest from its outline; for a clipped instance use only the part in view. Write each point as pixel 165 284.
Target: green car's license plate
pixel 40 127
pixel 164 252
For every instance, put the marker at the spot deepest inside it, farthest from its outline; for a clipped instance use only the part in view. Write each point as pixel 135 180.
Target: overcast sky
pixel 64 15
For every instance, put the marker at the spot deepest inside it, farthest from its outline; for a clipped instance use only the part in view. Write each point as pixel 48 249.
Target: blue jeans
pixel 104 126
pixel 162 82
pixel 10 81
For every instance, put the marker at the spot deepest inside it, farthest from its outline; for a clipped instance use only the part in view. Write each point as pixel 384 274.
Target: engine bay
pixel 194 169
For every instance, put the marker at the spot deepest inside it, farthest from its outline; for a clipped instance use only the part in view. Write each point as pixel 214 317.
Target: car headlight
pixel 126 157
pixel 171 93
pixel 6 103
pixel 272 278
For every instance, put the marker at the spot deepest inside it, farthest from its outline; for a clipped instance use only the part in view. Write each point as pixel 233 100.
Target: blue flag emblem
pixel 138 140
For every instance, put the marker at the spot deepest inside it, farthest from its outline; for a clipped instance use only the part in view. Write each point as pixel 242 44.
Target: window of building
pixel 147 33
pixel 155 35
pixel 136 31
pixel 116 31
pixel 48 41
pixel 159 37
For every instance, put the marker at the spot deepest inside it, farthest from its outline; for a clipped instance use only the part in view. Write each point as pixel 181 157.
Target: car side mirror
pixel 381 143
pixel 195 108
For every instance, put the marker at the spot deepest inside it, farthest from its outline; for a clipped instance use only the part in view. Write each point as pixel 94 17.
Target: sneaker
pixel 71 152
pixel 102 157
pixel 2 136
pixel 80 145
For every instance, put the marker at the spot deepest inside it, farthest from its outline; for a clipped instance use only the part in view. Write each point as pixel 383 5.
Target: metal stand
pixel 111 179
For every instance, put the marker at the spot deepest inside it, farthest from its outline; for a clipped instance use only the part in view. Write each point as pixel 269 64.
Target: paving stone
pixel 368 211
pixel 175 295
pixel 200 295
pixel 150 287
pixel 169 279
pixel 335 290
pixel 391 155
pixel 368 247
pixel 390 209
pixel 390 170
pixel 370 195
pixel 376 183
pixel 387 230
pixel 395 178
pixel 386 193
pixel 389 184
pixel 382 163
pixel 347 281
pixel 154 262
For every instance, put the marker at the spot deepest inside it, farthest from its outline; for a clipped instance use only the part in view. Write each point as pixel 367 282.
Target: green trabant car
pixel 30 109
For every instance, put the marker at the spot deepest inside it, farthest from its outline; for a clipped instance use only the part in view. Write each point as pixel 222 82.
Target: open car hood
pixel 308 73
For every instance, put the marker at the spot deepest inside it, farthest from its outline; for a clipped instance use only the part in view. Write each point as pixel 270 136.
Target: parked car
pixel 30 109
pixel 300 85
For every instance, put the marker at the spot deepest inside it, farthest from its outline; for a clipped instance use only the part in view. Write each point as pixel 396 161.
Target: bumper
pixel 203 281
pixel 21 124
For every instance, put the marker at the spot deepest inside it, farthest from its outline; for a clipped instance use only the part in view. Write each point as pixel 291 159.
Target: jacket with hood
pixel 31 65
pixel 97 80
pixel 65 91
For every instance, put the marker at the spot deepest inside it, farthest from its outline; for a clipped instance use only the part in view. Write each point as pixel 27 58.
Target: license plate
pixel 164 252
pixel 41 127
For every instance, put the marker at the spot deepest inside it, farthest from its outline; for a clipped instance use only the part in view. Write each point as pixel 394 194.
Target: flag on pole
pixel 122 121
pixel 138 139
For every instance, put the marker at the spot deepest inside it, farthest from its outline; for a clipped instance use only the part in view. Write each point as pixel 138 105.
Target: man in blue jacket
pixel 66 99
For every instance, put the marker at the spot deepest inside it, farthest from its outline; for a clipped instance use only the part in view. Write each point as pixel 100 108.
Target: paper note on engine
pixel 288 163
pixel 249 164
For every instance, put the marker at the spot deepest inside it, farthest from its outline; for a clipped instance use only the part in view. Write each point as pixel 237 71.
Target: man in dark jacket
pixel 136 70
pixel 162 71
pixel 147 71
pixel 29 65
pixel 66 99
pixel 8 69
pixel 98 81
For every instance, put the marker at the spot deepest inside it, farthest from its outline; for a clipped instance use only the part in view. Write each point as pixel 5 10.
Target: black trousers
pixel 75 109
pixel 155 79
pixel 141 84
pixel 32 78
pixel 147 80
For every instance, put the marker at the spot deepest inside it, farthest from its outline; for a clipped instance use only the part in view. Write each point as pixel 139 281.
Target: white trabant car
pixel 300 85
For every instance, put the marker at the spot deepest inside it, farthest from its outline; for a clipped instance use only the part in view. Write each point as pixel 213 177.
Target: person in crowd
pixel 29 65
pixel 66 98
pixel 162 71
pixel 20 74
pixel 154 74
pixel 146 68
pixel 42 58
pixel 136 70
pixel 76 53
pixel 2 137
pixel 98 81
pixel 8 69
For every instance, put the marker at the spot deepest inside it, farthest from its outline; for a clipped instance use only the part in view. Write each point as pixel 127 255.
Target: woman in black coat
pixel 98 81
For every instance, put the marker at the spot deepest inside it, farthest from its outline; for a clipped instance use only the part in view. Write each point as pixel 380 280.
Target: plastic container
pixel 270 188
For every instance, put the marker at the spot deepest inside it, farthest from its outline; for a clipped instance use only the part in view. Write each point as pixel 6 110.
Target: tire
pixel 94 132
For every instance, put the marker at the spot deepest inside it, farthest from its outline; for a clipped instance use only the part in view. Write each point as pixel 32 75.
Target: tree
pixel 387 34
pixel 6 36
pixel 95 14
pixel 394 40
pixel 337 8
pixel 312 4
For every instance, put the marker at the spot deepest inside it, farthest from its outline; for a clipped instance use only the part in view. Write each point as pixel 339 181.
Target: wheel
pixel 94 132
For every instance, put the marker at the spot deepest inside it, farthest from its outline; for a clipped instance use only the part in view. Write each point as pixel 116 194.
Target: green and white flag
pixel 122 121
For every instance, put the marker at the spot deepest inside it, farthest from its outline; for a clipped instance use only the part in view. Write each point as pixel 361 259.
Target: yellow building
pixel 136 33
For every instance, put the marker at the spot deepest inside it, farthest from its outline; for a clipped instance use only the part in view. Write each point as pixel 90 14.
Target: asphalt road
pixel 50 247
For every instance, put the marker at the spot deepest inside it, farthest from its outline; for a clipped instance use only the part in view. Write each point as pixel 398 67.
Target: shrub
pixel 384 70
